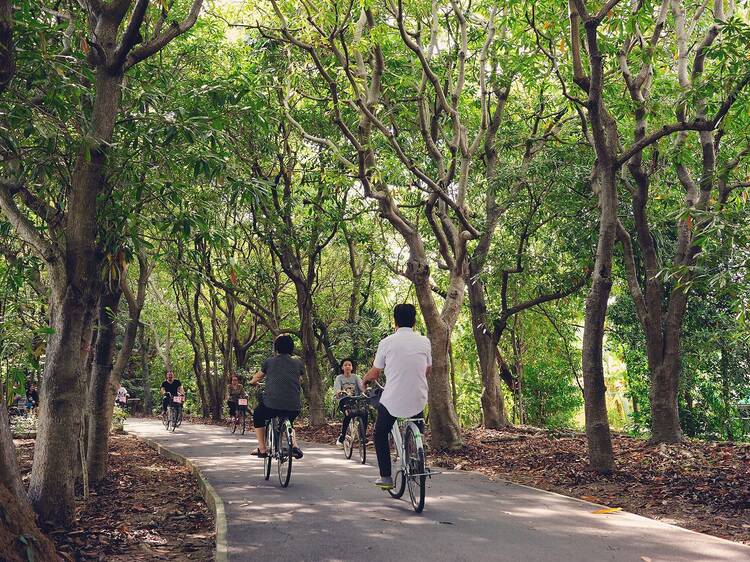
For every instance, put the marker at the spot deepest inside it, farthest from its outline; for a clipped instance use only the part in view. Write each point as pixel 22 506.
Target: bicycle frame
pixel 397 431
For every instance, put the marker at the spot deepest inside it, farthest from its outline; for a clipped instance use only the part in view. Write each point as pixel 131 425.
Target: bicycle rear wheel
pixel 284 457
pixel 399 482
pixel 269 451
pixel 362 442
pixel 415 469
pixel 349 439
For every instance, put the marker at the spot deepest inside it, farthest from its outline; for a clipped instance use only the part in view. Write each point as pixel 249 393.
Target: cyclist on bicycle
pixel 283 375
pixel 406 357
pixel 170 388
pixel 347 385
pixel 235 391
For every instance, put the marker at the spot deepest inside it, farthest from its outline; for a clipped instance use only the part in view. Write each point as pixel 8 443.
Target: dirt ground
pixel 147 508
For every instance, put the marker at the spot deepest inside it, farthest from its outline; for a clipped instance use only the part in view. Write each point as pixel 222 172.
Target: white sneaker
pixel 384 482
pixel 339 442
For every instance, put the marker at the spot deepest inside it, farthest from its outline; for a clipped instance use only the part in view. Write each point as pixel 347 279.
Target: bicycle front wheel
pixel 178 416
pixel 235 422
pixel 284 457
pixel 362 442
pixel 415 469
pixel 399 484
pixel 244 422
pixel 269 452
pixel 349 439
pixel 165 419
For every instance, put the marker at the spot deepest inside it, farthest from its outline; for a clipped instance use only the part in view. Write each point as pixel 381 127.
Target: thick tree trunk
pixel 493 405
pixel 664 362
pixel 315 389
pixel 10 475
pixel 75 285
pixel 444 426
pixel 665 413
pixel 100 395
pixel 62 395
pixel 600 452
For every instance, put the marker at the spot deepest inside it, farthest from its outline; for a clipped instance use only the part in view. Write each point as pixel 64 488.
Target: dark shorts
pixel 263 413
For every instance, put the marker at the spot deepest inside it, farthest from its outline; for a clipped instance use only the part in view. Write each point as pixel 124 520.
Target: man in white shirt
pixel 406 357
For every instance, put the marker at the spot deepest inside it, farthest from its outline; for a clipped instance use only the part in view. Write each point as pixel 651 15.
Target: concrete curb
pixel 213 499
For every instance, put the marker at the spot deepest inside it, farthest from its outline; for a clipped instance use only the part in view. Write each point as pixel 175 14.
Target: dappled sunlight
pixel 467 516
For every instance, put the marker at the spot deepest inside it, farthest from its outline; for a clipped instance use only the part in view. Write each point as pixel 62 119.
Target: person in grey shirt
pixel 347 385
pixel 283 375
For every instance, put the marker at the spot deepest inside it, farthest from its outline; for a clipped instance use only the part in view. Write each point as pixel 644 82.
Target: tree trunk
pixel 444 425
pixel 100 395
pixel 145 374
pixel 10 475
pixel 493 405
pixel 665 413
pixel 600 451
pixel 75 285
pixel 61 397
pixel 315 389
pixel 726 391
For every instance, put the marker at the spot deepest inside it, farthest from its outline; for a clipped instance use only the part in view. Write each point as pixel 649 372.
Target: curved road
pixel 332 512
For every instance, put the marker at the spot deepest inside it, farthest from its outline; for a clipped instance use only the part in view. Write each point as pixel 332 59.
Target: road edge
pixel 212 498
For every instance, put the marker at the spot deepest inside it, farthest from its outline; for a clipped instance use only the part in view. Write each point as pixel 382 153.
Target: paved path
pixel 332 512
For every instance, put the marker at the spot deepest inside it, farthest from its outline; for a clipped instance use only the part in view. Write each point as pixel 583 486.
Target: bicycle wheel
pixel 415 467
pixel 362 442
pixel 399 482
pixel 284 458
pixel 178 416
pixel 165 419
pixel 269 452
pixel 244 422
pixel 235 422
pixel 173 417
pixel 349 439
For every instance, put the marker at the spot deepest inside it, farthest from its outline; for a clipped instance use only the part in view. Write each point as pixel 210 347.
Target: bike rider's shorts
pixel 263 413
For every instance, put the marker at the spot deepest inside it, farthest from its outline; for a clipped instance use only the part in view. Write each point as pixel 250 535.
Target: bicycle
pixel 411 471
pixel 240 416
pixel 172 416
pixel 356 435
pixel 279 447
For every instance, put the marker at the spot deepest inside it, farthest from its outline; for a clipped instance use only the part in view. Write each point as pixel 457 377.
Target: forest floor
pixel 147 508
pixel 699 485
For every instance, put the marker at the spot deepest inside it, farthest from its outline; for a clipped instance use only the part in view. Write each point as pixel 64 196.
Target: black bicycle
pixel 356 436
pixel 172 416
pixel 240 416
pixel 279 447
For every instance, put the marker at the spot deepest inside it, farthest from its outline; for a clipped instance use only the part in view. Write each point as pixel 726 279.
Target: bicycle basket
pixel 357 408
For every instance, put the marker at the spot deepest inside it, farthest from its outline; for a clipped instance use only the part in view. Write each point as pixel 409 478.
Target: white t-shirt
pixel 405 356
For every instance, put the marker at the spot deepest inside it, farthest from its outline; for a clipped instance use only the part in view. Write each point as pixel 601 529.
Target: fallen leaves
pixel 607 510
pixel 144 509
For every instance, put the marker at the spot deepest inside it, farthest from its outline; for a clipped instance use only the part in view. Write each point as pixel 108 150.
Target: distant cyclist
pixel 346 386
pixel 406 357
pixel 283 376
pixel 170 388
pixel 235 391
